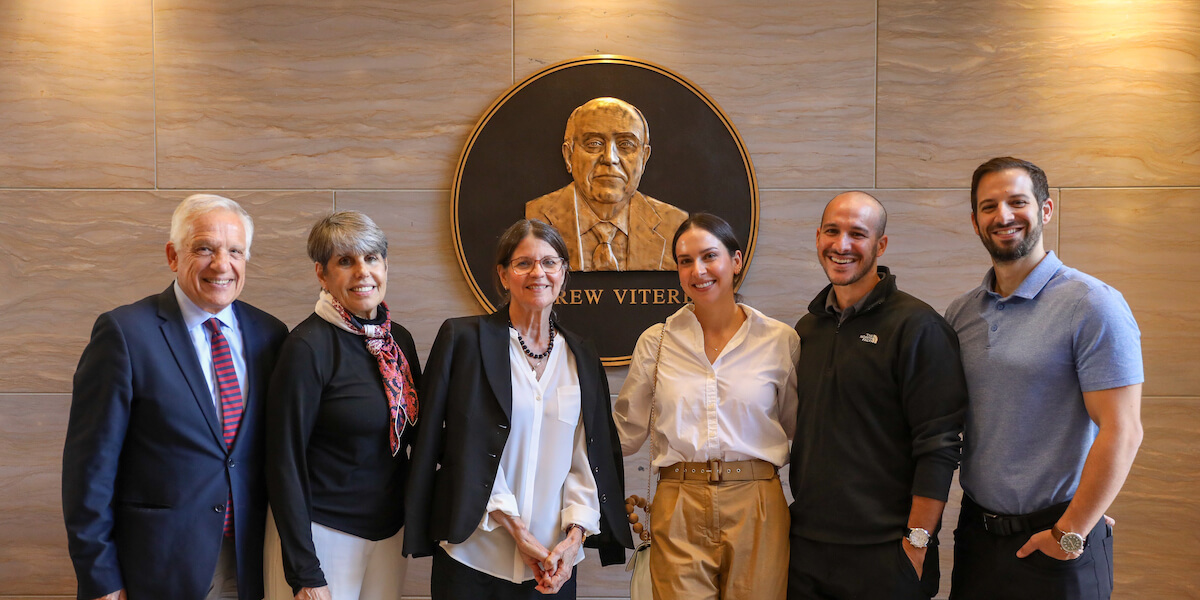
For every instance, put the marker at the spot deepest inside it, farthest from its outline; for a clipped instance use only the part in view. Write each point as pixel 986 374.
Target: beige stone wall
pixel 110 112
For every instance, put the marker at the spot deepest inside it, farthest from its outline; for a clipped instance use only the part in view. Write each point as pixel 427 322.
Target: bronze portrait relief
pixel 571 145
pixel 607 223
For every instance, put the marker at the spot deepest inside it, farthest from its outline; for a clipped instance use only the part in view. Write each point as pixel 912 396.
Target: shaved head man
pixel 882 397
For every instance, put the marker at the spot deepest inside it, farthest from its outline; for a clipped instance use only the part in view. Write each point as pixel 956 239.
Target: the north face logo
pixel 869 338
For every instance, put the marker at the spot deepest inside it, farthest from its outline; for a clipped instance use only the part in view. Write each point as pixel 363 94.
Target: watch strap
pixel 1056 532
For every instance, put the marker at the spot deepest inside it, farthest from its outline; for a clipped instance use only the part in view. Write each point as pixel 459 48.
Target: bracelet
pixel 582 531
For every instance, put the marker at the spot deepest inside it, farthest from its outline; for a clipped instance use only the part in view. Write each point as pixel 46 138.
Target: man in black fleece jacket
pixel 882 400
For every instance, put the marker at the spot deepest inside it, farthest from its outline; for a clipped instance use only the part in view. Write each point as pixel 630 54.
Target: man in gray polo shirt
pixel 1054 375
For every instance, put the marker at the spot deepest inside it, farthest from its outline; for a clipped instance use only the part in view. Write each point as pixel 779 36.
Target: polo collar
pixel 1034 282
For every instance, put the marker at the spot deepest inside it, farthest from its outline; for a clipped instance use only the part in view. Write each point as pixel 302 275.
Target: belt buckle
pixel 714 470
pixel 995 525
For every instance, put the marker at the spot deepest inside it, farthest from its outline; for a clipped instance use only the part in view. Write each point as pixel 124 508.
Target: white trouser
pixel 354 568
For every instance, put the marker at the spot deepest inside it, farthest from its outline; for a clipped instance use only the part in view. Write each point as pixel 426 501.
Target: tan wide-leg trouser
pixel 719 541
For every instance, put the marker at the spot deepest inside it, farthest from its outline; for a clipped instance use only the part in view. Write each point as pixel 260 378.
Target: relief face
pixel 607 223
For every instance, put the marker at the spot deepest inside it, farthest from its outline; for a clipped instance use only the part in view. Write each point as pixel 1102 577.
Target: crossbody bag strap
pixel 653 405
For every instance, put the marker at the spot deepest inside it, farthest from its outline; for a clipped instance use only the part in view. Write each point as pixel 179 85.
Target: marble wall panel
pixel 1157 549
pixel 66 256
pixel 426 286
pixel 362 94
pixel 1098 94
pixel 795 78
pixel 76 84
pixel 1143 243
pixel 33 554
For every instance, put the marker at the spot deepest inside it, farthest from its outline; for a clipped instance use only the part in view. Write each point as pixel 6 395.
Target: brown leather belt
pixel 716 471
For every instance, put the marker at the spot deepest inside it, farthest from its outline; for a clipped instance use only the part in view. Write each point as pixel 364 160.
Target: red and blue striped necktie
pixel 231 398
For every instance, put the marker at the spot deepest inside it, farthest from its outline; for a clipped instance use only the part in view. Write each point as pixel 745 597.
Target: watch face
pixel 1071 542
pixel 919 538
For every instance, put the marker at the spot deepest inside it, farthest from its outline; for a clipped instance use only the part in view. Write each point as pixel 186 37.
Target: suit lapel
pixel 184 352
pixel 493 347
pixel 645 241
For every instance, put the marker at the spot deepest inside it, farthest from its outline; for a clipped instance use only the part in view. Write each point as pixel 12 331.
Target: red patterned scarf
pixel 393 366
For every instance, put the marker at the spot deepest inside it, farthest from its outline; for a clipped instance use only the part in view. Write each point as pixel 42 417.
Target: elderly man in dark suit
pixel 607 223
pixel 163 490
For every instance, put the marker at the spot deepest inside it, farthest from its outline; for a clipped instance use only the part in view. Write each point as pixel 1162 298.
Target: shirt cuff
pixel 584 516
pixel 505 503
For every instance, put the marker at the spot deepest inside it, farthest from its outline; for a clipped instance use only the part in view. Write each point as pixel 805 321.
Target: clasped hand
pixel 551 568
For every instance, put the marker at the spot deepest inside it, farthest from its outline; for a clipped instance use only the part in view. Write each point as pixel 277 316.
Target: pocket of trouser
pixel 906 565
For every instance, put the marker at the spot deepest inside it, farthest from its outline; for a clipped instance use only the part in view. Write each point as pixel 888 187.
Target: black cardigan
pixel 466 404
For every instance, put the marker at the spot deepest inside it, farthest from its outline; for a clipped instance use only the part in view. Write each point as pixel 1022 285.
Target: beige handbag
pixel 640 586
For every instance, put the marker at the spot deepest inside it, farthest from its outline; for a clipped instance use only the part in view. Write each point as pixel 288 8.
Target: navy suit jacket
pixel 466 404
pixel 146 474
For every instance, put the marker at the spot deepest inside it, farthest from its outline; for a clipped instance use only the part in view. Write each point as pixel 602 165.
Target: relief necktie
pixel 603 258
pixel 231 399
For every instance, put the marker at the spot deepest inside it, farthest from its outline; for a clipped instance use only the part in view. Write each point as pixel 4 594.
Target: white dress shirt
pixel 193 319
pixel 741 406
pixel 544 476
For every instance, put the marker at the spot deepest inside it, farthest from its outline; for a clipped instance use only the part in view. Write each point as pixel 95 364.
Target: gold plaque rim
pixel 473 284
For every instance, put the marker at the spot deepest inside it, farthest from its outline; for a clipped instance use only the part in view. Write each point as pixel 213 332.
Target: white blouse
pixel 544 477
pixel 740 407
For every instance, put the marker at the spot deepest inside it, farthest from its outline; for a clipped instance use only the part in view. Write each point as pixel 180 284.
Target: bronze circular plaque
pixel 614 152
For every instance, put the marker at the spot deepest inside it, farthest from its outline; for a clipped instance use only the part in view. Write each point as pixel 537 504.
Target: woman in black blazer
pixel 517 459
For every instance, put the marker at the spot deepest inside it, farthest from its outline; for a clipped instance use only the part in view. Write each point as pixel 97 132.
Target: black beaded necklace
pixel 525 349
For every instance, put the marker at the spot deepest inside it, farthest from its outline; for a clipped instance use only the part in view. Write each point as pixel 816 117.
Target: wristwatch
pixel 917 537
pixel 1069 541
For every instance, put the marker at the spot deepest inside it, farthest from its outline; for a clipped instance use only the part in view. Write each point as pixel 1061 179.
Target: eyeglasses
pixel 550 265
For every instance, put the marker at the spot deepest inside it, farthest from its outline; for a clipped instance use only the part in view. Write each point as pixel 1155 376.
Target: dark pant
pixel 818 570
pixel 986 565
pixel 452 580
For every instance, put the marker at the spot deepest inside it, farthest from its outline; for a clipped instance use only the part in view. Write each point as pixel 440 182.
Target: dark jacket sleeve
pixel 293 399
pixel 427 450
pixel 101 400
pixel 614 535
pixel 934 396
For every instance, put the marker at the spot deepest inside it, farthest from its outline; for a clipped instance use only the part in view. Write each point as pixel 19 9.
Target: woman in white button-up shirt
pixel 722 376
pixel 516 460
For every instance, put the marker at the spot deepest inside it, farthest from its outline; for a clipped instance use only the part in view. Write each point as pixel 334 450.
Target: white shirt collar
pixel 194 316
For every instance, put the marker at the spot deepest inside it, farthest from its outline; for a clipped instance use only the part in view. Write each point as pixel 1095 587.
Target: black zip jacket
pixel 882 400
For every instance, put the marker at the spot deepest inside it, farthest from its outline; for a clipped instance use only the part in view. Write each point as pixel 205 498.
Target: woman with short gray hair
pixel 340 408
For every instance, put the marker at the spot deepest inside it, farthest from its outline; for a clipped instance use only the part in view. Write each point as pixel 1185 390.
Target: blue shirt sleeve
pixel 1108 350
